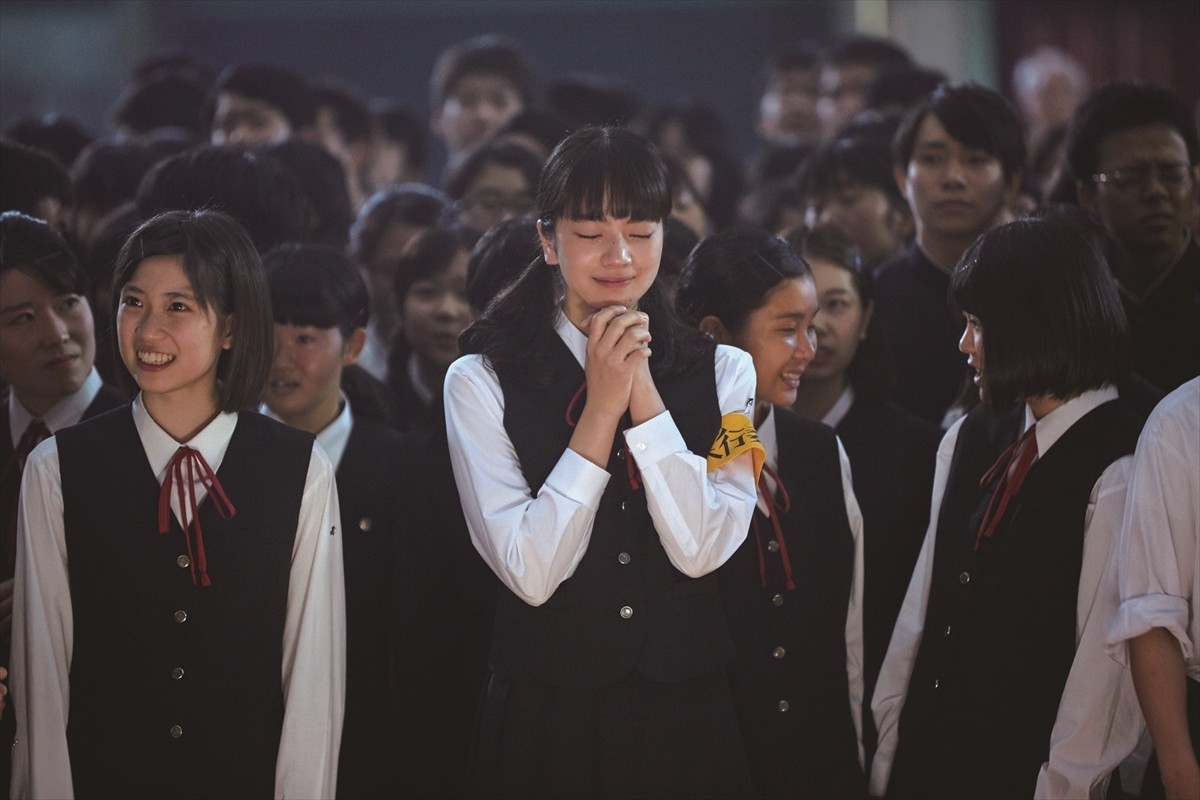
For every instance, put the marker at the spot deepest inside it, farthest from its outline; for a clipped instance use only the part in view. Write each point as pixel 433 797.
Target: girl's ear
pixel 715 328
pixel 227 341
pixel 354 346
pixel 546 237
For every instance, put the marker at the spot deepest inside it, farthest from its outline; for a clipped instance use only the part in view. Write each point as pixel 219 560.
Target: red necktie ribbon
pixel 1008 473
pixel 186 467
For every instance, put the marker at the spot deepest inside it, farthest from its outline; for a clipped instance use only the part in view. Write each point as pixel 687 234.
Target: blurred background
pixel 74 56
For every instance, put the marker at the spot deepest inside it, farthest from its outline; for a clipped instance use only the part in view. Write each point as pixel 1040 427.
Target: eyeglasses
pixel 1172 176
pixel 495 205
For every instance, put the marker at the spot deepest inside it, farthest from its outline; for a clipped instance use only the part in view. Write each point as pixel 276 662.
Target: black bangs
pixel 601 172
pixel 315 286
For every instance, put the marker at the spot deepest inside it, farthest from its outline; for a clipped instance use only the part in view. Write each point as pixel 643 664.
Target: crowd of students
pixel 612 462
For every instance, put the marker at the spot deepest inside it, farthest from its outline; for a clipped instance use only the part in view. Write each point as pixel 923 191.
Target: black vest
pixel 176 688
pixel 673 627
pixel 789 678
pixel 999 635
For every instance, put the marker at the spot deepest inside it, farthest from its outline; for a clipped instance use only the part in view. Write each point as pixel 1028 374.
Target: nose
pixel 617 251
pixel 966 342
pixel 1154 185
pixel 56 330
pixel 806 346
pixel 954 172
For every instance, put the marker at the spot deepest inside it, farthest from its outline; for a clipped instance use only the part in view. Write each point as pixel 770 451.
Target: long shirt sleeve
pixel 534 543
pixel 313 671
pixel 854 612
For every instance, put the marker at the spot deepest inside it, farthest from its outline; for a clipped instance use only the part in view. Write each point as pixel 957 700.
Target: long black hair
pixel 593 173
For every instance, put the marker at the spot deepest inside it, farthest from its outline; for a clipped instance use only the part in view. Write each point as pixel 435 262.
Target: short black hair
pixel 350 112
pixel 505 154
pixel 500 255
pixel 1053 324
pixel 253 188
pixel 226 275
pixel 871 50
pixel 317 286
pixel 1118 107
pixel 32 246
pixel 57 135
pixel 850 161
pixel 540 124
pixel 108 172
pixel 170 100
pixel 731 273
pixel 593 100
pixel 678 243
pixel 323 180
pixel 977 117
pixel 399 124
pixel 903 86
pixel 277 86
pixel 407 203
pixel 28 176
pixel 489 54
pixel 803 57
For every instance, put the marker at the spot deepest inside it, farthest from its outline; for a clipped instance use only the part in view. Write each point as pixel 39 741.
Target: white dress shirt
pixel 314 635
pixel 334 437
pixel 63 414
pixel 854 612
pixel 1082 752
pixel 535 543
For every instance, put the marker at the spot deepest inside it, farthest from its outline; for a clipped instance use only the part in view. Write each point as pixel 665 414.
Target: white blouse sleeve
pixel 701 517
pixel 891 689
pixel 314 643
pixel 41 663
pixel 1099 721
pixel 854 613
pixel 533 544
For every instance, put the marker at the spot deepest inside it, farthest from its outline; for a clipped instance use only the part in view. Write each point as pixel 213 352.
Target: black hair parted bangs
pixel 317 286
pixel 1051 316
pixel 599 172
pixel 34 247
pixel 977 117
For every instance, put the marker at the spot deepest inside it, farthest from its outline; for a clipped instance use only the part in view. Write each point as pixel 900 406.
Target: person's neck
pixel 1043 405
pixel 317 419
pixel 181 417
pixel 431 375
pixel 943 252
pixel 1137 271
pixel 816 397
pixel 37 405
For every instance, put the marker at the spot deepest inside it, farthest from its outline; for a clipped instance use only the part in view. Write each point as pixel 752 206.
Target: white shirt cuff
pixel 654 440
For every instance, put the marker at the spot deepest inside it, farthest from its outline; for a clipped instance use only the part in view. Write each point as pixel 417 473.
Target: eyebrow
pixel 129 287
pixel 17 307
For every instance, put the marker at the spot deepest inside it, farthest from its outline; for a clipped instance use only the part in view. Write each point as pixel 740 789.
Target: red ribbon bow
pixel 1008 473
pixel 776 508
pixel 189 461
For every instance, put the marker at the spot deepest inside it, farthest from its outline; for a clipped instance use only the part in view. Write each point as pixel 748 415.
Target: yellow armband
pixel 736 436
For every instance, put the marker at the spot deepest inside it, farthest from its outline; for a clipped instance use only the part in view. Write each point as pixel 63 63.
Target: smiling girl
pixel 793 591
pixel 603 454
pixel 187 613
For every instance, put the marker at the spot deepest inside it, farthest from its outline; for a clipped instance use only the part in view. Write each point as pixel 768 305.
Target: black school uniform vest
pixel 999 635
pixel 175 689
pixel 626 607
pixel 789 678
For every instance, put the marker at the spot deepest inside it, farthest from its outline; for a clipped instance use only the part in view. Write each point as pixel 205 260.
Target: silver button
pixel 177 673
pixel 181 616
pixel 624 504
pixel 183 562
pixel 777 600
pixel 936 683
pixel 626 612
pixel 779 652
pixel 176 731
pixel 964 577
pixel 773 546
pixel 783 705
pixel 947 631
pixel 624 558
pixel 621 453
pixel 364 524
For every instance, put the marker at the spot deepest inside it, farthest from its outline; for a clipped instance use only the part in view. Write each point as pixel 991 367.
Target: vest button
pixel 624 558
pixel 964 577
pixel 777 600
pixel 364 524
pixel 624 504
pixel 947 631
pixel 177 673
pixel 183 562
pixel 626 612
pixel 176 731
pixel 783 705
pixel 181 616
pixel 773 546
pixel 621 453
pixel 936 683
pixel 779 652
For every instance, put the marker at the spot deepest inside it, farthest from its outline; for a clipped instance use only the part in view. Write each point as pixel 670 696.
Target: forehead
pixel 829 277
pixel 475 83
pixel 792 297
pixel 848 74
pixel 793 77
pixel 229 103
pixel 161 273
pixel 500 177
pixel 1155 142
pixel 19 287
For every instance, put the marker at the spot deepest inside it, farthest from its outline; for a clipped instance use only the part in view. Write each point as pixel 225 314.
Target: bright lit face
pixel 1151 211
pixel 435 311
pixel 169 342
pixel 608 262
pixel 842 324
pixel 781 338
pixel 787 112
pixel 970 344
pixel 477 107
pixel 248 122
pixel 956 192
pixel 47 340
pixel 306 374
pixel 865 214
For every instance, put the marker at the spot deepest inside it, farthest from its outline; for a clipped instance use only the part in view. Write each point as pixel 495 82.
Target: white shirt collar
pixel 769 439
pixel 834 416
pixel 212 441
pixel 65 413
pixel 1051 427
pixel 574 338
pixel 334 436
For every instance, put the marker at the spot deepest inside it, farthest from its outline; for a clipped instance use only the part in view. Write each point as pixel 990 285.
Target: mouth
pixel 64 360
pixel 283 386
pixel 952 205
pixel 151 359
pixel 614 283
pixel 791 379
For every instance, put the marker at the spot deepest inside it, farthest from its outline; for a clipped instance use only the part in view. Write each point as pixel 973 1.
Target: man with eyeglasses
pixel 1133 150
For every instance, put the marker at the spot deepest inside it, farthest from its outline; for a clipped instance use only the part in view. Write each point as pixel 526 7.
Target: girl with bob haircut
pixel 146 533
pixel 605 460
pixel 793 590
pixel 996 664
